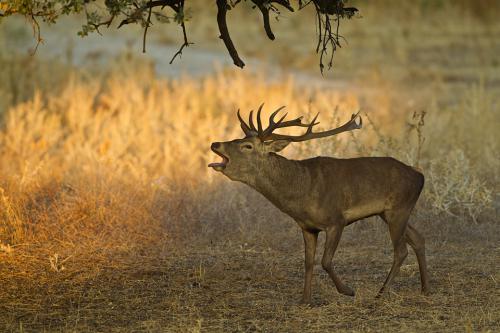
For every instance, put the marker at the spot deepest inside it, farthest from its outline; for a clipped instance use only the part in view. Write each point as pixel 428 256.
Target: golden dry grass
pixel 110 220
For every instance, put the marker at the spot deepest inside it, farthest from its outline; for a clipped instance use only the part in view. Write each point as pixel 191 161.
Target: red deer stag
pixel 325 193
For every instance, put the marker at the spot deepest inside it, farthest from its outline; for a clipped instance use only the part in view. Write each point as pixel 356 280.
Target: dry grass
pixel 110 220
pixel 245 284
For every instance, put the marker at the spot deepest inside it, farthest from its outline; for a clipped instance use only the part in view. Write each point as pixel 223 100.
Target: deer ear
pixel 278 145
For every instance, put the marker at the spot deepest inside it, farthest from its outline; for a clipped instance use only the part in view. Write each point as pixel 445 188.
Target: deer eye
pixel 247 147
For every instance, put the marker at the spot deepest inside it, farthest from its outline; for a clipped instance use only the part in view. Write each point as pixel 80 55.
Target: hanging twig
pixel 148 23
pixel 186 43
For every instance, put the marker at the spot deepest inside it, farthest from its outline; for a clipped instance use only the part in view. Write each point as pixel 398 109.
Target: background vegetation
pixel 111 221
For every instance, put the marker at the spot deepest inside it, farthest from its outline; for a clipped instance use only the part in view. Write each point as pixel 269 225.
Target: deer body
pixel 327 194
pixel 321 191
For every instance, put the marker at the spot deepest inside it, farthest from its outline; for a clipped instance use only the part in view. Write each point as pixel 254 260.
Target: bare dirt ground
pixel 234 283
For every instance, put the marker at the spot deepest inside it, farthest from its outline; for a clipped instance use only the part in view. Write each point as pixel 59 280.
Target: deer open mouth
pixel 219 166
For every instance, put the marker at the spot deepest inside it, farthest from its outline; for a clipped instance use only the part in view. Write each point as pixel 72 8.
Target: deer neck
pixel 280 180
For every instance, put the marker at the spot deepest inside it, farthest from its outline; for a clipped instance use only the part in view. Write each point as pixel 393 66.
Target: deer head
pixel 243 158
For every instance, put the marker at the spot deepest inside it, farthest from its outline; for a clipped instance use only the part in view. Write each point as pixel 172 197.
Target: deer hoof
pixel 380 292
pixel 426 292
pixel 345 290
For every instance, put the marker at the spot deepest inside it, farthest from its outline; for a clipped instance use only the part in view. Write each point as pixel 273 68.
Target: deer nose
pixel 216 145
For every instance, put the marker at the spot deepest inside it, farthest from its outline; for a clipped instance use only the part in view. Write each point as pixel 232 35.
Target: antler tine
pixel 277 110
pixel 360 119
pixel 247 130
pixel 259 121
pixel 353 123
pixel 271 117
pixel 312 124
pixel 293 122
pixel 282 118
pixel 250 121
pixel 272 125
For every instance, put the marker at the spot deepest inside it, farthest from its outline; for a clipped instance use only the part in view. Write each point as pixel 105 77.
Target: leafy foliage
pixel 98 14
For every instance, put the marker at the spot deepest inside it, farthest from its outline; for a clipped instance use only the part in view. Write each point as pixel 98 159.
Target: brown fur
pixel 327 194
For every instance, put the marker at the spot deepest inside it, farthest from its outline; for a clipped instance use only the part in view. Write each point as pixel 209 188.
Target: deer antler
pixel 309 134
pixel 246 129
pixel 268 135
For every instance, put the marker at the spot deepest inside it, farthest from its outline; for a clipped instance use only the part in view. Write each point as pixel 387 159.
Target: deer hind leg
pixel 332 240
pixel 397 222
pixel 417 242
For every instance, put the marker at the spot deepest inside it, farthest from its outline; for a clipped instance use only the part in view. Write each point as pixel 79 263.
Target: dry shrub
pixel 454 188
pixel 119 165
pixel 11 227
pixel 22 74
pixel 122 162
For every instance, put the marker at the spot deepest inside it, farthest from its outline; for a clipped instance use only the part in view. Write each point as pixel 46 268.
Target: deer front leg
pixel 310 240
pixel 333 234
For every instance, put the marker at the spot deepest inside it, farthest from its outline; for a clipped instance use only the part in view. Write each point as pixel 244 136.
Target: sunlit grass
pixel 97 152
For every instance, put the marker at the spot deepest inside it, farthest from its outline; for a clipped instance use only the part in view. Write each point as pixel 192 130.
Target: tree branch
pixel 161 3
pixel 264 7
pixel 186 43
pixel 328 12
pixel 265 17
pixel 148 23
pixel 222 8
